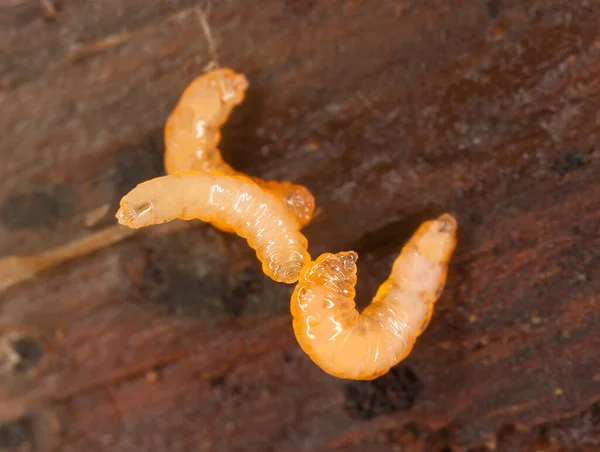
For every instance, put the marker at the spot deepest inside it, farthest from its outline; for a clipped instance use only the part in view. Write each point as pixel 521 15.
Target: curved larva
pixel 193 130
pixel 363 346
pixel 193 133
pixel 231 202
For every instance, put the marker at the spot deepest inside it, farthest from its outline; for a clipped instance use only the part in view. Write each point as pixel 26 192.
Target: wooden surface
pixel 390 112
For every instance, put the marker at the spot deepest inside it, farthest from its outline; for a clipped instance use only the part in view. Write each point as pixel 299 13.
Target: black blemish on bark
pixel 16 436
pixel 396 390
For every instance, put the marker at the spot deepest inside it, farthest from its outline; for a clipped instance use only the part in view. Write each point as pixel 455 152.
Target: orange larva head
pixel 232 86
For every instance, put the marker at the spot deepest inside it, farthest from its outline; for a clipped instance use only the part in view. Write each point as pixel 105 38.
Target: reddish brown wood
pixel 391 112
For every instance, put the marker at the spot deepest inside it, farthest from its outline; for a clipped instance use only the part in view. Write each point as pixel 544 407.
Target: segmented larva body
pixel 193 133
pixel 233 202
pixel 362 346
pixel 193 130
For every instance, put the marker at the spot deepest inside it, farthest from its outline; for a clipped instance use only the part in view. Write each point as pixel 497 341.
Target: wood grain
pixel 390 112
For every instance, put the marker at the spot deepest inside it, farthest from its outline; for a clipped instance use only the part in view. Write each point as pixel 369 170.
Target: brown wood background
pixel 390 112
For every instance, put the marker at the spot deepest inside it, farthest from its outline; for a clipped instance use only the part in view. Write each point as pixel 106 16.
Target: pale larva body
pixel 362 346
pixel 193 130
pixel 193 133
pixel 232 202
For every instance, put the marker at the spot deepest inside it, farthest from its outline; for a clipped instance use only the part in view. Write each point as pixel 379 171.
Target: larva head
pixel 232 86
pixel 336 272
pixel 134 216
pixel 436 239
pixel 139 207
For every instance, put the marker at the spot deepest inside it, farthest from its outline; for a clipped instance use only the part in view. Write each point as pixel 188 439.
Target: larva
pixel 192 136
pixel 192 131
pixel 233 202
pixel 362 346
pixel 15 269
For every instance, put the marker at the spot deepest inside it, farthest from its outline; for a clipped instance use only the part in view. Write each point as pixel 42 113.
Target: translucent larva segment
pixel 193 133
pixel 230 202
pixel 363 346
pixel 296 198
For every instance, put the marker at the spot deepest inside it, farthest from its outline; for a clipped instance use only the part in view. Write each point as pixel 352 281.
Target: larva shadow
pixel 394 391
pixel 378 249
pixel 137 163
pixel 241 143
pixel 16 435
pixel 199 274
pixel 175 276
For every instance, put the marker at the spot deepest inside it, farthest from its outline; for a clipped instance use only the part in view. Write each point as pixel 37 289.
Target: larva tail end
pixel 344 261
pixel 299 201
pixel 302 203
pixel 336 271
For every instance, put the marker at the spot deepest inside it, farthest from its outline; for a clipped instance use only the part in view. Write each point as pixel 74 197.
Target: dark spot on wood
pixel 493 8
pixel 30 353
pixel 19 353
pixel 153 283
pixel 479 345
pixel 300 7
pixel 16 436
pixel 186 294
pixel 236 390
pixel 572 161
pixel 41 207
pixel 159 277
pixel 476 218
pixel 244 284
pixel 217 382
pixel 391 392
pixel 288 357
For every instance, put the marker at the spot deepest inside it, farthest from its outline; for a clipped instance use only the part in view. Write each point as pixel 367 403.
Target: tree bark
pixel 390 112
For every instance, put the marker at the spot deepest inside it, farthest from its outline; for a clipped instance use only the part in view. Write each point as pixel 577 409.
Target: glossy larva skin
pixel 231 202
pixel 193 133
pixel 193 130
pixel 363 346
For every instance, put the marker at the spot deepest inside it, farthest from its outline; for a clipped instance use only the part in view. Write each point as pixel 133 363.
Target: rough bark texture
pixel 390 112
